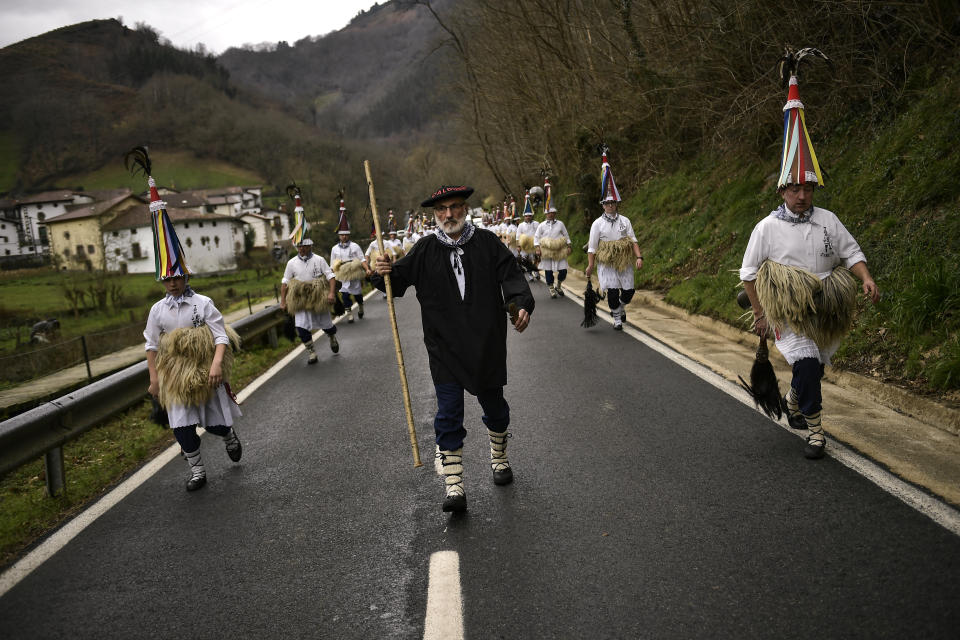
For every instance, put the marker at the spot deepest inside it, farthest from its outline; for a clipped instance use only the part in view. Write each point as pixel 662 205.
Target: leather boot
pixel 313 354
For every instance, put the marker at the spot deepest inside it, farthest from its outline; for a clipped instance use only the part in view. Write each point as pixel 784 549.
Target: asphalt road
pixel 647 504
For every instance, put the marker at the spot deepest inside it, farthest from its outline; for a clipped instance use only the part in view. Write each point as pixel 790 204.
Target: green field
pixel 177 170
pixel 31 295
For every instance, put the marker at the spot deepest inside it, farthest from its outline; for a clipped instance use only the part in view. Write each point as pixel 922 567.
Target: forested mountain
pixel 380 75
pixel 81 95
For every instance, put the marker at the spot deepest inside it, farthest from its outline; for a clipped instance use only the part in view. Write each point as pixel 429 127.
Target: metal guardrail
pixel 45 429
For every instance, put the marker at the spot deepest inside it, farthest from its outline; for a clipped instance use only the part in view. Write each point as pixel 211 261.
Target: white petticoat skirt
pixel 220 409
pixel 547 264
pixel 353 287
pixel 610 278
pixel 795 347
pixel 311 320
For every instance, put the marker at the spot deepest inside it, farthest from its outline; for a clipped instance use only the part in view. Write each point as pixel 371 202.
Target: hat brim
pixel 443 194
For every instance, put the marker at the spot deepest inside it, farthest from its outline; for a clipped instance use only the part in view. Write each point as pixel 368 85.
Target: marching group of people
pixel 472 280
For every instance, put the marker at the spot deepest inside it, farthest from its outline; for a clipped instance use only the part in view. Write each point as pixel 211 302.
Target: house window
pixel 201 224
pixel 189 242
pixel 66 235
pixel 66 252
pixel 39 206
pixel 216 240
pixel 214 223
pixel 210 209
pixel 79 249
pixel 186 225
pixel 135 250
pixel 91 249
pixel 41 217
pixel 116 233
pixel 8 251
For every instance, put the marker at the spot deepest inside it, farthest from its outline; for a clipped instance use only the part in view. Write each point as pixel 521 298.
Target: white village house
pixel 211 242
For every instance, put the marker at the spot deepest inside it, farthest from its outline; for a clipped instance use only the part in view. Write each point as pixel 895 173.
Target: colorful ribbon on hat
pixel 547 194
pixel 168 253
pixel 798 162
pixel 300 224
pixel 608 188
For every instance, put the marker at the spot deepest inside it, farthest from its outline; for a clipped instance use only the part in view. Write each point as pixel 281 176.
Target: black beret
pixel 446 192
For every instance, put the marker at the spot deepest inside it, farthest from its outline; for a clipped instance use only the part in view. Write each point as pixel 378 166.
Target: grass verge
pixel 97 461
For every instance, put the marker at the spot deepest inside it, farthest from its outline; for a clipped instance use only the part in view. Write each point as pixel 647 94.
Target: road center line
pixel 444 619
pixel 937 510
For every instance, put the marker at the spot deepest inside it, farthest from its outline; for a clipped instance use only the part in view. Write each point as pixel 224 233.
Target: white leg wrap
pixel 452 466
pixel 498 450
pixel 196 464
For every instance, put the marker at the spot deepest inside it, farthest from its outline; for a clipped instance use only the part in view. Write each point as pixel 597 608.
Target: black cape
pixel 466 339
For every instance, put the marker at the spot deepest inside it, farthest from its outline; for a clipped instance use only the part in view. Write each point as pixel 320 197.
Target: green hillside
pixel 176 169
pixel 895 189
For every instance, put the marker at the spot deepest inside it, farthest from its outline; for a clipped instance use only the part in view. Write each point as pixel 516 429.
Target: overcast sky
pixel 218 24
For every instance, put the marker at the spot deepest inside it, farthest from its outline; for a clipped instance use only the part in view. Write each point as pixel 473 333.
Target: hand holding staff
pixel 383 262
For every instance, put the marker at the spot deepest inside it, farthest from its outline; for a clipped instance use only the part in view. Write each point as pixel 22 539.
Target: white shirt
pixel 189 311
pixel 527 228
pixel 606 230
pixel 550 229
pixel 817 246
pixel 306 270
pixel 346 253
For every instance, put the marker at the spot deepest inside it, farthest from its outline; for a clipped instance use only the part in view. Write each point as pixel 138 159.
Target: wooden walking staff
pixel 393 323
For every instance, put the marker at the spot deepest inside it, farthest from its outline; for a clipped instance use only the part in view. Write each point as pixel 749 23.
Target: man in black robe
pixel 466 281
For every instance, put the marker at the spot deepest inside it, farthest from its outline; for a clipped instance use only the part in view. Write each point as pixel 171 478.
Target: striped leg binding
pixel 234 448
pixel 451 462
pixel 816 441
pixel 198 474
pixel 502 473
pixel 792 403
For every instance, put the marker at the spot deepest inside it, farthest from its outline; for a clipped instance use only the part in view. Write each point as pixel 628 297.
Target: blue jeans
pixel 448 425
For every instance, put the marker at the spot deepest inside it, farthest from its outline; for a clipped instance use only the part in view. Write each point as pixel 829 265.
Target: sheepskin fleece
pixel 346 270
pixel 617 254
pixel 525 243
pixel 183 365
pixel 308 296
pixel 823 311
pixel 553 248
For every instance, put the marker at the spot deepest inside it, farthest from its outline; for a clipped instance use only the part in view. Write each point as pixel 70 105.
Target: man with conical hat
pixel 308 288
pixel 797 269
pixel 465 280
pixel 392 243
pixel 412 236
pixel 349 266
pixel 552 244
pixel 613 249
pixel 510 228
pixel 188 348
pixel 526 230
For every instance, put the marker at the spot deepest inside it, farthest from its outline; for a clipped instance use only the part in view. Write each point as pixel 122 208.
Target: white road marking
pixel 444 619
pixel 22 568
pixel 937 510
